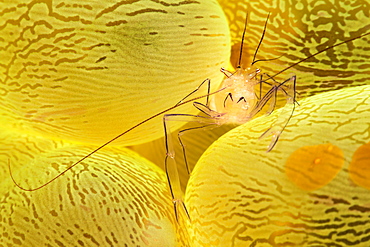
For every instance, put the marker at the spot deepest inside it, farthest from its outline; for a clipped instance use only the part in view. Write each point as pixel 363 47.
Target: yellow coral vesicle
pixel 87 72
pixel 296 30
pixel 84 72
pixel 115 199
pixel 239 195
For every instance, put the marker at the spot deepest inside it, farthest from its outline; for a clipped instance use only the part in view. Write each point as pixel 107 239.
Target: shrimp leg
pixel 285 114
pixel 182 132
pixel 172 174
pixel 281 86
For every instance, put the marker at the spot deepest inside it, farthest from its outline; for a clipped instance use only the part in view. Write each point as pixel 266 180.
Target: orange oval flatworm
pixel 359 169
pixel 312 167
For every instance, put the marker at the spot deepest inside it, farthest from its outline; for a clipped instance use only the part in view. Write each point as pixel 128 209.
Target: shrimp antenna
pixel 259 44
pixel 108 142
pixel 242 44
pixel 317 53
pixel 266 60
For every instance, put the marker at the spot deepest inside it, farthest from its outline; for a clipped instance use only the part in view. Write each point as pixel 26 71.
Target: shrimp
pixel 240 99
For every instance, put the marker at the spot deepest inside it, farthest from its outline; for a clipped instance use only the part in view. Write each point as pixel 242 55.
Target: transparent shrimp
pixel 240 99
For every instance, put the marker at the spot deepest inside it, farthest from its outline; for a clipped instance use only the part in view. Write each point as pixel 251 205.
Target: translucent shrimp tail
pixel 284 116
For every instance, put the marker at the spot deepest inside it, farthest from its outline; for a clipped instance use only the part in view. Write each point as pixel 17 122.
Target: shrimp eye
pixel 241 99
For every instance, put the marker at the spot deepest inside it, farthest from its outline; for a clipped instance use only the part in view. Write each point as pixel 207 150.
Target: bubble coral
pixel 74 75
